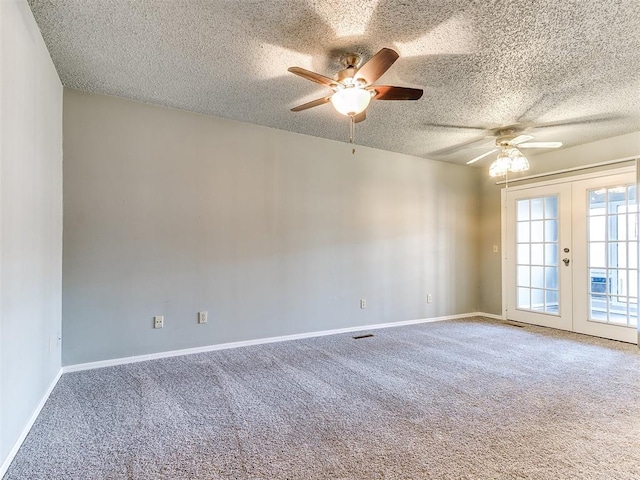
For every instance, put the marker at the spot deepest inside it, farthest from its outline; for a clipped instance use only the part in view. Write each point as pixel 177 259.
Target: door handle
pixel 566 261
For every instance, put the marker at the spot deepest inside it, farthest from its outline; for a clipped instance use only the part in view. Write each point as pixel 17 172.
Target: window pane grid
pixel 537 255
pixel 612 255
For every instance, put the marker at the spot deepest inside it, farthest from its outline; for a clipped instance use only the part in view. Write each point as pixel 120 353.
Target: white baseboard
pixel 223 346
pixel 25 431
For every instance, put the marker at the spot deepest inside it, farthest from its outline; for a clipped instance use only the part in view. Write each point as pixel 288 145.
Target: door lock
pixel 566 261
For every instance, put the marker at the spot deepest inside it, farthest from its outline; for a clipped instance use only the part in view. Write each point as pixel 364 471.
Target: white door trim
pixel 573 178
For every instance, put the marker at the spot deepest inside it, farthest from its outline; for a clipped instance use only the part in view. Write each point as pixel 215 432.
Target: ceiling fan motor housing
pixel 505 135
pixel 345 76
pixel 351 60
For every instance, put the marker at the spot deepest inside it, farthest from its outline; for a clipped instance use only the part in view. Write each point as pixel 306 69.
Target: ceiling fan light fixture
pixel 501 165
pixel 519 162
pixel 509 159
pixel 353 87
pixel 351 101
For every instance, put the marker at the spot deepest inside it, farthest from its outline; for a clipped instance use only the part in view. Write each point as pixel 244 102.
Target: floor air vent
pixel 515 325
pixel 358 337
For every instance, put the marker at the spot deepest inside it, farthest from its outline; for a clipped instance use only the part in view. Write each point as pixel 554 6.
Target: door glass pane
pixel 596 228
pixel 633 283
pixel 597 202
pixel 632 255
pixel 598 308
pixel 617 254
pixel 613 255
pixel 537 299
pixel 523 256
pixel 551 302
pixel 617 228
pixel 632 226
pixel 524 276
pixel 537 254
pixel 537 231
pixel 524 302
pixel 537 275
pixel 537 208
pixel 598 280
pixel 633 312
pixel 632 289
pixel 597 256
pixel 551 254
pixel 618 311
pixel 551 207
pixel 523 232
pixel 616 196
pixel 551 277
pixel 551 231
pixel 523 209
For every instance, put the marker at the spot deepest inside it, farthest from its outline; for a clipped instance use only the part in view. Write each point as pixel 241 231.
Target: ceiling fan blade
pixel 376 66
pixel 314 103
pixel 540 145
pixel 461 127
pixel 385 92
pixel 460 146
pixel 580 121
pixel 361 117
pixel 520 139
pixel 480 157
pixel 313 76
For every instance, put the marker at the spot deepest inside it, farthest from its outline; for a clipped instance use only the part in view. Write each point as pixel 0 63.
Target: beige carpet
pixel 472 399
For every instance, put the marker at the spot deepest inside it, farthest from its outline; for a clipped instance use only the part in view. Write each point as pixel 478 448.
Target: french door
pixel 539 282
pixel 606 257
pixel 572 256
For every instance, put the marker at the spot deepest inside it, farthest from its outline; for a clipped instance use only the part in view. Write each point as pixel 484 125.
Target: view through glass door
pixel 606 222
pixel 572 256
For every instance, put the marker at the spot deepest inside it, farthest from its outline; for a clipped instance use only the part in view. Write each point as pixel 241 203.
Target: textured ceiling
pixel 482 63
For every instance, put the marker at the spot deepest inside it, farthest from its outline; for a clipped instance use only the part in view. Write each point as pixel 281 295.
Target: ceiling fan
pixel 510 158
pixel 353 87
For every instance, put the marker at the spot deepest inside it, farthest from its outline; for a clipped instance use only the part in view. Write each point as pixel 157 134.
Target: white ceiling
pixel 482 63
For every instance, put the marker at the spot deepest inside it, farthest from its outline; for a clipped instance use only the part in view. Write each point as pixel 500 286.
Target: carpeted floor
pixel 468 399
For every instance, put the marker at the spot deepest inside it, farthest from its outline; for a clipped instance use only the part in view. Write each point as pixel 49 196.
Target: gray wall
pixel 273 233
pixel 30 220
pixel 591 153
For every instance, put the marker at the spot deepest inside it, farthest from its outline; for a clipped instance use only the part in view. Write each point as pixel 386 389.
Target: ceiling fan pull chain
pixel 352 129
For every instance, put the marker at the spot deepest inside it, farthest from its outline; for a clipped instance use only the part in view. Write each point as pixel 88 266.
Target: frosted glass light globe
pixel 519 162
pixel 500 165
pixel 351 101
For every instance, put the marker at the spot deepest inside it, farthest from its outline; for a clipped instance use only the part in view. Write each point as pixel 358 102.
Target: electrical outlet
pixel 429 298
pixel 202 317
pixel 363 303
pixel 158 321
